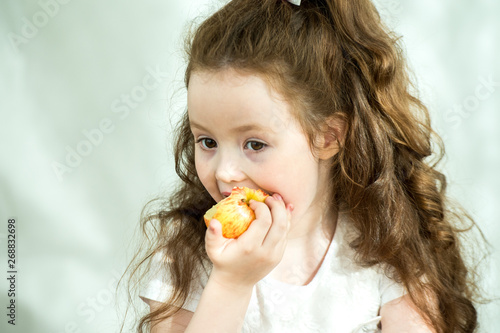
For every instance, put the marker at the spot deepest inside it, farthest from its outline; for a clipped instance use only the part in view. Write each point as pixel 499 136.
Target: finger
pixel 276 242
pixel 258 229
pixel 280 217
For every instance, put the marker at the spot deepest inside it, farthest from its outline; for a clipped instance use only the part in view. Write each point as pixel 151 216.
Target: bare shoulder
pixel 401 315
pixel 174 324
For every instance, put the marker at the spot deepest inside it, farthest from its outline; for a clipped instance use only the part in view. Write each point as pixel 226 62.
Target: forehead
pixel 236 98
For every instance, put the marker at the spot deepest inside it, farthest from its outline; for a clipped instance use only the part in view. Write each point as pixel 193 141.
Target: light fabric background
pixel 88 91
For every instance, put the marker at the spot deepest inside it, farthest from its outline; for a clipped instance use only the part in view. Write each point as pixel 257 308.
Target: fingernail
pixel 212 226
pixel 278 197
pixel 290 207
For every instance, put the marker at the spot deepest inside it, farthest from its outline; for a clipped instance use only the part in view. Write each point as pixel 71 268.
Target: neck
pixel 315 223
pixel 319 219
pixel 307 245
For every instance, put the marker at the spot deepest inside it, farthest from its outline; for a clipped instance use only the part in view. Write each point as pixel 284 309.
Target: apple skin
pixel 233 212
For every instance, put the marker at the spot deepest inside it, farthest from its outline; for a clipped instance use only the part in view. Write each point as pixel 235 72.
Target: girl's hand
pixel 244 261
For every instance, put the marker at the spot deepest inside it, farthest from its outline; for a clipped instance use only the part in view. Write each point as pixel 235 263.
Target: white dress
pixel 342 297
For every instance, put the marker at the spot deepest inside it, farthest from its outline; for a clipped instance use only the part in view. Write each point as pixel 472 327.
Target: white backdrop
pixel 87 93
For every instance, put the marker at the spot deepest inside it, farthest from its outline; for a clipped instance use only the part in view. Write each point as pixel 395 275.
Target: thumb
pixel 214 241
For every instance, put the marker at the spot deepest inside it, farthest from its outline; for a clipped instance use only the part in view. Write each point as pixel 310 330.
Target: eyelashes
pixel 255 145
pixel 209 144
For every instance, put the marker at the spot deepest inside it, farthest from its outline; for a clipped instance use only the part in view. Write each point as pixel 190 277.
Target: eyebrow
pixel 242 128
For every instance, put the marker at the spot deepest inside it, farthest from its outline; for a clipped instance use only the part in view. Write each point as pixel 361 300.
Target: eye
pixel 255 145
pixel 207 143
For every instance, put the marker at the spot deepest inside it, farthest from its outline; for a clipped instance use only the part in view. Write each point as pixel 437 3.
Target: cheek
pixel 197 164
pixel 295 179
pixel 275 176
pixel 206 176
pixel 202 169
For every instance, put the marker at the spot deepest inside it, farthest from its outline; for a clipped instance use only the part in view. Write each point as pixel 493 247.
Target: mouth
pixel 226 194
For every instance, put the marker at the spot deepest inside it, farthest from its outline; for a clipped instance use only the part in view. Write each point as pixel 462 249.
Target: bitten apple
pixel 234 212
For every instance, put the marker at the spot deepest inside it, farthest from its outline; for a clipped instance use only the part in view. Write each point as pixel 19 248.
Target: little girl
pixel 309 101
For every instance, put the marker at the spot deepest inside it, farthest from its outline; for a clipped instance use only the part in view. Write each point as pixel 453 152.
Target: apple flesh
pixel 233 212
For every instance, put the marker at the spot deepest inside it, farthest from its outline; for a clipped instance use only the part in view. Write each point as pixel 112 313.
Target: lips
pixel 225 194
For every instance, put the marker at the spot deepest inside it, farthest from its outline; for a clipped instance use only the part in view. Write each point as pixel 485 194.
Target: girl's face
pixel 245 135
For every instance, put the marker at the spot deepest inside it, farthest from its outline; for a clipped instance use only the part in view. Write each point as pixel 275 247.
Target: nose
pixel 228 169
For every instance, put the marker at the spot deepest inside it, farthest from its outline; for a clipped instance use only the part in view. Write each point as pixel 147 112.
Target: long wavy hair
pixel 329 58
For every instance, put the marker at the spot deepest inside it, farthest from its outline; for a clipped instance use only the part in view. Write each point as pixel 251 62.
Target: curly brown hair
pixel 331 58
